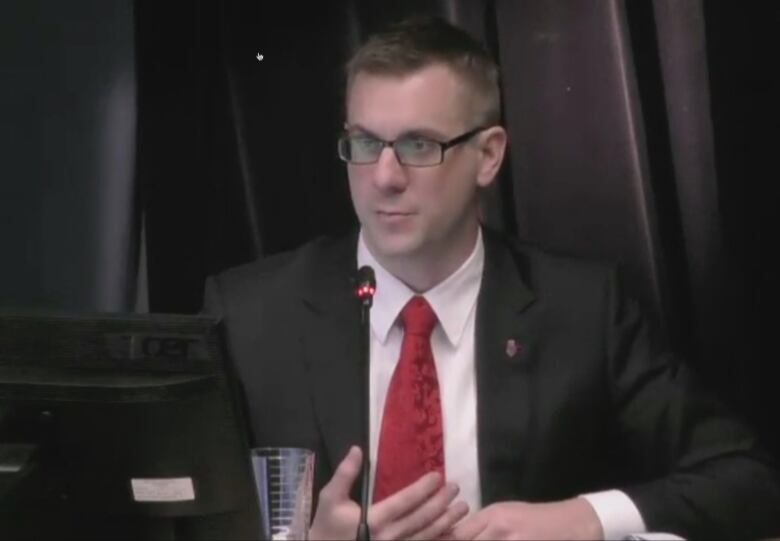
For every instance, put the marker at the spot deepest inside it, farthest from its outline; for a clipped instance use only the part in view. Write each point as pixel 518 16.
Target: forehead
pixel 433 98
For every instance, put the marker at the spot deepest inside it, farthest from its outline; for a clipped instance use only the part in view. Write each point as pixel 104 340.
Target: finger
pixel 405 500
pixel 442 526
pixel 424 515
pixel 470 528
pixel 340 485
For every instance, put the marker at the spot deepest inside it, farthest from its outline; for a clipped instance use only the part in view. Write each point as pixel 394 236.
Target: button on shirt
pixel 454 301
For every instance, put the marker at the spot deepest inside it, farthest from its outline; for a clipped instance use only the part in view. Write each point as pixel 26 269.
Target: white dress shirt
pixel 454 301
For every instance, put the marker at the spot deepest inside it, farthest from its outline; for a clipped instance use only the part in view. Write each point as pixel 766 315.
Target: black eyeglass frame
pixel 445 145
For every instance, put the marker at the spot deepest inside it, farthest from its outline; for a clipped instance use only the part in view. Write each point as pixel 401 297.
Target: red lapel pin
pixel 513 347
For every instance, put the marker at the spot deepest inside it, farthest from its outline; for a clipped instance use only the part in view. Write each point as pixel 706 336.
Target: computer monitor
pixel 121 426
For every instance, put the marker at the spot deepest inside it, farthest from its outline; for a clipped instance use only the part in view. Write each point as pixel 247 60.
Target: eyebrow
pixel 358 128
pixel 415 132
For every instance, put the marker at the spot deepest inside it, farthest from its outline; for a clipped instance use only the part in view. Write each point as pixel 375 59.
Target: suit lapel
pixel 504 346
pixel 331 350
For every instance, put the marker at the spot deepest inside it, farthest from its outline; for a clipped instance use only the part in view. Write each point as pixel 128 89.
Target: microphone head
pixel 366 284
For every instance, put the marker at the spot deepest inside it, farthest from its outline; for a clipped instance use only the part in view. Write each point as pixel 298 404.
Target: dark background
pixel 144 147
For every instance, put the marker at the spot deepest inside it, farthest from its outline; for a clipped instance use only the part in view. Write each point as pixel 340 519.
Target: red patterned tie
pixel 411 442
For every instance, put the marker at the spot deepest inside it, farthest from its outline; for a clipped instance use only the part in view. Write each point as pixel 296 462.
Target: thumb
pixel 340 484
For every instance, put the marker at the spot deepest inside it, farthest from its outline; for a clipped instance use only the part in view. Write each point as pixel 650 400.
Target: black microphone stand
pixel 365 292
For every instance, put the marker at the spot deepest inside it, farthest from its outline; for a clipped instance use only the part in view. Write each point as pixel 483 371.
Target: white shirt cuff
pixel 618 515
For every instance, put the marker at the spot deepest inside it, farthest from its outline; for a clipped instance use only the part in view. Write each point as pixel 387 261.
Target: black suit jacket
pixel 590 401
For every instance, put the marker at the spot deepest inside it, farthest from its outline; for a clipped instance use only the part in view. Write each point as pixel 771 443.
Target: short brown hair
pixel 420 41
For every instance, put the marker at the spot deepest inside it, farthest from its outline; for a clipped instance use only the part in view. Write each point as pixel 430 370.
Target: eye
pixel 364 142
pixel 418 145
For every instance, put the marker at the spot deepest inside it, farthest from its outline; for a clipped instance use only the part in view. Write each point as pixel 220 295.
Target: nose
pixel 389 174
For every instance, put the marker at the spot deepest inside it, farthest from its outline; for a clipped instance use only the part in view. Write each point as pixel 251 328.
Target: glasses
pixel 412 150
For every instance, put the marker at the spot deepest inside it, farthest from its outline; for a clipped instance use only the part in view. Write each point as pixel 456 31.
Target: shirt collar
pixel 452 300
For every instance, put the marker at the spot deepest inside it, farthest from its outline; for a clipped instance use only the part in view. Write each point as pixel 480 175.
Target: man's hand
pixel 568 519
pixel 420 511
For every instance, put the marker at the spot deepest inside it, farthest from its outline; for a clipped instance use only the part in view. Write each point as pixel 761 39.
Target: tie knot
pixel 418 317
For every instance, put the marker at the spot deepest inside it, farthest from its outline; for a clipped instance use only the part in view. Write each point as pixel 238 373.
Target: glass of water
pixel 284 477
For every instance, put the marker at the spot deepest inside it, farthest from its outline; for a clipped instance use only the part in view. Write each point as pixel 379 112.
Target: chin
pixel 393 246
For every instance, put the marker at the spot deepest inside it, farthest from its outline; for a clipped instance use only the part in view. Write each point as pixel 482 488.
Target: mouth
pixel 393 216
pixel 393 213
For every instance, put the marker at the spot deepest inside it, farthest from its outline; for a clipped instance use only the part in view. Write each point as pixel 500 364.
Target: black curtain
pixel 68 219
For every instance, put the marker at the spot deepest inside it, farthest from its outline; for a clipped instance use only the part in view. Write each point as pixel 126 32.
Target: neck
pixel 423 271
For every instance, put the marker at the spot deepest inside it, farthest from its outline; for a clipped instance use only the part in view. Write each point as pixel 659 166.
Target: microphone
pixel 366 287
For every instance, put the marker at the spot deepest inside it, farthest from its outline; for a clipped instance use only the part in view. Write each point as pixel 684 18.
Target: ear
pixel 492 146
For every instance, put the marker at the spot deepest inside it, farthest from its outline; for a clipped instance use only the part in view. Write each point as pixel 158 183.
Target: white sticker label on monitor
pixel 172 489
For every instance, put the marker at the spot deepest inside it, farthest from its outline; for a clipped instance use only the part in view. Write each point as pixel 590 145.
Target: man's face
pixel 411 211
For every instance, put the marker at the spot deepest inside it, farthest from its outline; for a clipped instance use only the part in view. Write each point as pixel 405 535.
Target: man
pixel 513 394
